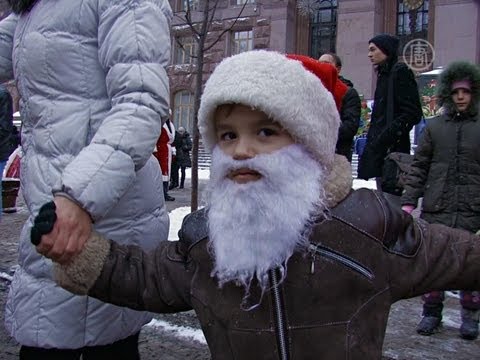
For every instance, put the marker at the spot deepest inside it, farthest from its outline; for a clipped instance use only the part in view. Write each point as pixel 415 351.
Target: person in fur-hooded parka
pixel 446 173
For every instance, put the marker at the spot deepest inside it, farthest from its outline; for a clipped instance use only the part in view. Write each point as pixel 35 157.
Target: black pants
pixel 174 174
pixel 182 179
pixel 125 349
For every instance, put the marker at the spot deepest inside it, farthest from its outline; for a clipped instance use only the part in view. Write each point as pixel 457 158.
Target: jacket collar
pixel 339 181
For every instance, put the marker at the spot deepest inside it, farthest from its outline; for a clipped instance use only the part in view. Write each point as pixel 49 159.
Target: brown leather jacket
pixel 334 302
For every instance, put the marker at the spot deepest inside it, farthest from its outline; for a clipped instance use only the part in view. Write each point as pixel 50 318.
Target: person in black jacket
pixel 9 138
pixel 183 145
pixel 349 110
pixel 390 124
pixel 446 173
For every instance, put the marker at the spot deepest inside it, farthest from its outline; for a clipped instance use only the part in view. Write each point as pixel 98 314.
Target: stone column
pixel 457 31
pixel 358 21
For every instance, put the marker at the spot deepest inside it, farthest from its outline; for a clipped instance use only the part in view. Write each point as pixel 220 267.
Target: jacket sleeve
pixel 134 49
pixel 407 108
pixel 7 30
pixel 188 144
pixel 157 281
pixel 418 174
pixel 350 116
pixel 445 258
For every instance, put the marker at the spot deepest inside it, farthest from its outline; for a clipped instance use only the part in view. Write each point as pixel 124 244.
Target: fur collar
pixel 339 181
pixel 21 6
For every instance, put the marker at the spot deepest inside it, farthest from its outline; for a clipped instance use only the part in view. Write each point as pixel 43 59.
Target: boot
pixel 432 319
pixel 429 325
pixel 165 192
pixel 469 328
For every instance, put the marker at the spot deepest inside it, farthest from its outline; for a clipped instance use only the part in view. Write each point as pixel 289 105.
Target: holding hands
pixel 61 230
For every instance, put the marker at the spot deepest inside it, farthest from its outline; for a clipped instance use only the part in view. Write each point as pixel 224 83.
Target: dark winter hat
pixel 387 43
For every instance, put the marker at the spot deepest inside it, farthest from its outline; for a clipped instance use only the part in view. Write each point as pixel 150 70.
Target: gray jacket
pixel 91 76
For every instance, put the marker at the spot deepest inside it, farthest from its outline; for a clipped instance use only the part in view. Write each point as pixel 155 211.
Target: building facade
pixel 440 30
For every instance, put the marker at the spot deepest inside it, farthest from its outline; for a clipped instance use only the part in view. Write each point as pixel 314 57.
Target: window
pixel 412 23
pixel 183 110
pixel 185 3
pixel 185 50
pixel 241 2
pixel 323 28
pixel 242 41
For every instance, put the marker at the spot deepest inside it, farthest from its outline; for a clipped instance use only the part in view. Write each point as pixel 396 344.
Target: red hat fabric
pixel 327 73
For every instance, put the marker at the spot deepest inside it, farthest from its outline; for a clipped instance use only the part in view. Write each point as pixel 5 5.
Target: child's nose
pixel 244 149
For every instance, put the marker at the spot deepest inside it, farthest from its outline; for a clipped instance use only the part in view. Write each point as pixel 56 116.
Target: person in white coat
pixel 94 94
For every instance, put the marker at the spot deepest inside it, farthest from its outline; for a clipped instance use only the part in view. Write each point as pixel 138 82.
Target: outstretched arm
pixel 157 281
pixel 444 258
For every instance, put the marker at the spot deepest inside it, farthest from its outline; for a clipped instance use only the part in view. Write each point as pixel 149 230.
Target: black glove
pixel 43 223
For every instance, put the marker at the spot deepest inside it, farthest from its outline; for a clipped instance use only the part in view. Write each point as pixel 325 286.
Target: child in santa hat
pixel 276 268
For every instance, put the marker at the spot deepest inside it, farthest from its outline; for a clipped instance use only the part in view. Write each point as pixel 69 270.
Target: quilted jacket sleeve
pixel 417 177
pixel 7 29
pixel 134 49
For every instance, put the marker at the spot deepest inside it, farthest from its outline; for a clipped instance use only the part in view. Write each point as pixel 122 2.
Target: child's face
pixel 462 98
pixel 243 133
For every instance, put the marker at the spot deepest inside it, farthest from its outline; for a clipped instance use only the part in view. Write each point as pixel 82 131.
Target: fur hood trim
pixel 457 71
pixel 339 181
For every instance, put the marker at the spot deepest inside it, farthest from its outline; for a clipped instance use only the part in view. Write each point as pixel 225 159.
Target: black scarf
pixel 21 6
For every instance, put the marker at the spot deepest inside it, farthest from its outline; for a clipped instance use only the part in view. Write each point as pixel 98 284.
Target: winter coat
pixel 334 302
pixel 350 117
pixel 91 76
pixel 446 172
pixel 183 144
pixel 446 166
pixel 8 136
pixel 386 137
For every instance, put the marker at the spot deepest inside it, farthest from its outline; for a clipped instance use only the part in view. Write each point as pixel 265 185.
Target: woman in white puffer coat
pixel 94 93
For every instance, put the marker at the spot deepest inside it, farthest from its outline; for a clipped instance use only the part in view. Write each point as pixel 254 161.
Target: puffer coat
pixel 446 167
pixel 334 301
pixel 446 172
pixel 91 76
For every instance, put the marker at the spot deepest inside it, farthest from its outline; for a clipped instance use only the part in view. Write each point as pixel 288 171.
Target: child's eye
pixel 267 132
pixel 227 135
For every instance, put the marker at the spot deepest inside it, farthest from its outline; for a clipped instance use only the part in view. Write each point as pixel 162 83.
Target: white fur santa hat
pixel 283 89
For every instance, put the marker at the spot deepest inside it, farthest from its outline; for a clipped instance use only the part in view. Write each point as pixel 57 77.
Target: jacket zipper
pixel 323 251
pixel 279 315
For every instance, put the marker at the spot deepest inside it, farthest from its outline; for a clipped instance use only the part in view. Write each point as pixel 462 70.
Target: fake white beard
pixel 256 226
